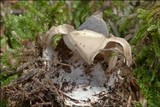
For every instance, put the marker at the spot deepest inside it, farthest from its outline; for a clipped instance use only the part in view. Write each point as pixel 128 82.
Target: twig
pixel 129 101
pixel 62 63
pixel 41 104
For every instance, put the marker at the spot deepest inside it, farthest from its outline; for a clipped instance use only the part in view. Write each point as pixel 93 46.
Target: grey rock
pixel 96 23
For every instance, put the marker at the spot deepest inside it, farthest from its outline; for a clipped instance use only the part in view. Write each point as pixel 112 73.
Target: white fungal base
pixel 83 89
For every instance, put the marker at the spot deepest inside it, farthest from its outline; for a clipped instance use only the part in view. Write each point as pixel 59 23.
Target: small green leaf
pixel 152 27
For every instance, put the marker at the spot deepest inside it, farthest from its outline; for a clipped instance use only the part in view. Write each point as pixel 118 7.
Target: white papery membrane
pixel 81 88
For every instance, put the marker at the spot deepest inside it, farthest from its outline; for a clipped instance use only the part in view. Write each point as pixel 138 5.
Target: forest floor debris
pixel 56 86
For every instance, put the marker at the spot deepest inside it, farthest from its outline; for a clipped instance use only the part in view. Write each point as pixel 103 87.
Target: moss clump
pixel 147 53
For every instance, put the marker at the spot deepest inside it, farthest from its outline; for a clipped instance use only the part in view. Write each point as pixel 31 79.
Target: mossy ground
pixel 137 21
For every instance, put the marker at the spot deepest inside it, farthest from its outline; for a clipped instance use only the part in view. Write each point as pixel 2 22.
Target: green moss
pixel 3 103
pixel 6 79
pixel 147 54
